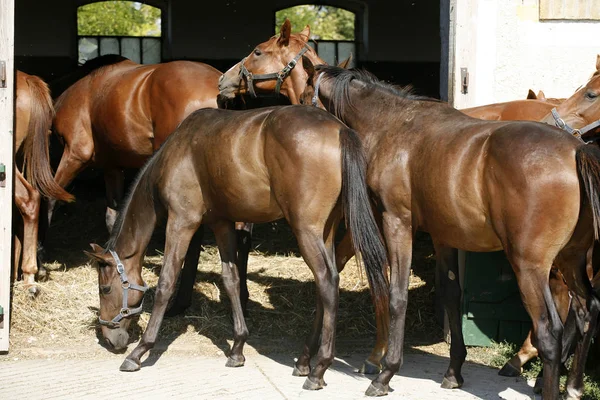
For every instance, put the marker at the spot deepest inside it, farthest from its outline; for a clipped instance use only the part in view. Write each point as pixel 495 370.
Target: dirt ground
pixel 62 319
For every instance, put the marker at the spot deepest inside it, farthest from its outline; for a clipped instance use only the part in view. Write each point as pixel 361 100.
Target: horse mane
pixel 142 182
pixel 342 78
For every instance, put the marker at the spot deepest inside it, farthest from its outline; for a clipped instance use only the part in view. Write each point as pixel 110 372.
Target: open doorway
pixel 130 29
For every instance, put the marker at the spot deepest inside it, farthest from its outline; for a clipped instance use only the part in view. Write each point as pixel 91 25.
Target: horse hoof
pixel 509 370
pixel 368 368
pixel 376 389
pixel 33 291
pixel 539 384
pixel 451 383
pixel 309 384
pixel 302 371
pixel 233 363
pixel 129 366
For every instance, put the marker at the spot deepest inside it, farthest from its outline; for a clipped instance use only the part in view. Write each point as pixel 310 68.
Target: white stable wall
pixel 511 51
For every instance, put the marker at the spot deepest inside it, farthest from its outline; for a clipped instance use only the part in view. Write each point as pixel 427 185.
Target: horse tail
pixel 359 217
pixel 36 157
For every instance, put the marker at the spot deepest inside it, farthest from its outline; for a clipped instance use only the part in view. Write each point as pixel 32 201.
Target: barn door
pixel 7 8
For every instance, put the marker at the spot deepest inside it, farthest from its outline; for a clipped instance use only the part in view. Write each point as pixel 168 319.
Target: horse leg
pixel 73 160
pixel 311 345
pixel 183 299
pixel 244 244
pixel 527 351
pixel 227 241
pixel 27 199
pixel 343 253
pixel 179 235
pixel 319 255
pixel 451 294
pixel 114 181
pixel 398 236
pixel 533 279
pixel 587 318
pixel 17 249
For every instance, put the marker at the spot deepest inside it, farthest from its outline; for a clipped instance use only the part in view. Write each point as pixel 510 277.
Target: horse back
pixel 519 110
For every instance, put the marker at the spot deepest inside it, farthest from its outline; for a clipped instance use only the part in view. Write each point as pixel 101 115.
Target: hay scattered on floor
pixel 282 293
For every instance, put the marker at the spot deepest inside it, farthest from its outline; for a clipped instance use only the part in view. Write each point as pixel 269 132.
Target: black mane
pixel 340 96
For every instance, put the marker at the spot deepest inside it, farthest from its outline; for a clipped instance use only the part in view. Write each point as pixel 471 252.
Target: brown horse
pixel 34 114
pixel 119 114
pixel 524 187
pixel 222 166
pixel 267 61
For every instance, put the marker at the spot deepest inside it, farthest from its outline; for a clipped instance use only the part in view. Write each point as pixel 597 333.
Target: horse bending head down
pixel 121 296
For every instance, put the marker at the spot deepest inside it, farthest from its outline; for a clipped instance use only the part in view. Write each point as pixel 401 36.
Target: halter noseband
pixel 578 133
pixel 126 285
pixel 279 76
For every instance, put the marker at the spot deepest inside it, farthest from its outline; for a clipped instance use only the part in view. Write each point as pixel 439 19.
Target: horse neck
pixel 366 114
pixel 133 230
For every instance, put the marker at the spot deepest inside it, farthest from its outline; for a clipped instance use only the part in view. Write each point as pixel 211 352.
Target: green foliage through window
pixel 118 18
pixel 326 23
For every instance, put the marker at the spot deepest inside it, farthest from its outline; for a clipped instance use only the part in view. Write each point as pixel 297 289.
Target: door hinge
pixel 2 74
pixel 464 80
pixel 2 175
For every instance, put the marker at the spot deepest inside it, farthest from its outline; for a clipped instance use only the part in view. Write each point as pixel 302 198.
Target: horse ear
pixel 541 96
pixel 531 95
pixel 284 33
pixel 97 253
pixel 597 62
pixel 344 64
pixel 305 34
pixel 308 67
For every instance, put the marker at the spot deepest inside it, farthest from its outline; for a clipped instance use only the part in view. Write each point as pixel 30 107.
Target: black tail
pixel 359 217
pixel 588 166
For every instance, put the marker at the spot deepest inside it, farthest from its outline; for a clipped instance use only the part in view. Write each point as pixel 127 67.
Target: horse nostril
pixel 109 343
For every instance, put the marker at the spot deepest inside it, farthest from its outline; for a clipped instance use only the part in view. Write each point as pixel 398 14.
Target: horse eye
pixel 591 95
pixel 105 289
pixel 257 52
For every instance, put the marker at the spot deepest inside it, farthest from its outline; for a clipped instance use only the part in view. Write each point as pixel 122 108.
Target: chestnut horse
pixel 524 187
pixel 118 115
pixel 222 166
pixel 34 114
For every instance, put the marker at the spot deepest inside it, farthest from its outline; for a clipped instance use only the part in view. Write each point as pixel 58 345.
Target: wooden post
pixel 7 83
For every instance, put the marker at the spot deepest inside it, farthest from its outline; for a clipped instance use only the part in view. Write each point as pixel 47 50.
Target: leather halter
pixel 126 285
pixel 279 76
pixel 578 133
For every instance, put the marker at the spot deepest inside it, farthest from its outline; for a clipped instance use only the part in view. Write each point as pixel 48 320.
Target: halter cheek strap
pixel 126 285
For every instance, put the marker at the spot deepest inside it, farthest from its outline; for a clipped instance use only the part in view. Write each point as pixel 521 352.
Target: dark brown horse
pixel 223 166
pixel 524 187
pixel 267 61
pixel 118 115
pixel 34 114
